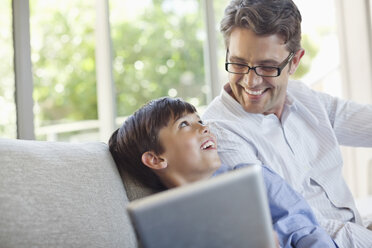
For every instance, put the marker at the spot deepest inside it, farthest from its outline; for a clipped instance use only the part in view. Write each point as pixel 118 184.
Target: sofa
pixel 56 194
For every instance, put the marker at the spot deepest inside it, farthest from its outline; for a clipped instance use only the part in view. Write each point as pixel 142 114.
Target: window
pixel 370 18
pixel 219 8
pixel 158 51
pixel 369 173
pixel 7 101
pixel 320 67
pixel 63 60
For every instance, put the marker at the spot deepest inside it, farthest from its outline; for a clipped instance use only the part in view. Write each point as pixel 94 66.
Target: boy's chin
pixel 215 164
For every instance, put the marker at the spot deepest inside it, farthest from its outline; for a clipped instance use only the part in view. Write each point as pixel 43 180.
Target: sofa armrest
pixel 55 194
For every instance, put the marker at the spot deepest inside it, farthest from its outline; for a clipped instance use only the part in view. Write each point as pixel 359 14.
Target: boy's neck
pixel 177 180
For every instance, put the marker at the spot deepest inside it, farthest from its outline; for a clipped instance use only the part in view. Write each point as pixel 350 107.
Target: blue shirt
pixel 292 218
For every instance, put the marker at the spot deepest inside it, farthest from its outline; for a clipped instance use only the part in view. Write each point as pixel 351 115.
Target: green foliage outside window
pixel 7 96
pixel 311 50
pixel 159 54
pixel 63 42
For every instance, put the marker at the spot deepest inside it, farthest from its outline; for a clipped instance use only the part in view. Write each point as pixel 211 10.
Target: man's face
pixel 190 149
pixel 257 94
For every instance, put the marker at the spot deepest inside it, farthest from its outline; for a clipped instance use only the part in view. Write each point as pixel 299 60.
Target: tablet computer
pixel 229 210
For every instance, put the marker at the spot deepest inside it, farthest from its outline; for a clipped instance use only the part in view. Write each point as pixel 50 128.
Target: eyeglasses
pixel 263 71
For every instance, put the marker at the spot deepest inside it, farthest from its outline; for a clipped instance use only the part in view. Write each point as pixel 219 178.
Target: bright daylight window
pixel 7 103
pixel 63 63
pixel 370 164
pixel 158 51
pixel 320 40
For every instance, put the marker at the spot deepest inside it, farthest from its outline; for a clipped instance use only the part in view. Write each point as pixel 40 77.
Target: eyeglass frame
pixel 279 68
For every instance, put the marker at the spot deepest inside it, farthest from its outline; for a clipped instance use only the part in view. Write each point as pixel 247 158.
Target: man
pixel 262 118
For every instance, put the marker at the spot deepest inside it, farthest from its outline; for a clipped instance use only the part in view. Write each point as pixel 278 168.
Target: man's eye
pixel 267 68
pixel 238 66
pixel 184 124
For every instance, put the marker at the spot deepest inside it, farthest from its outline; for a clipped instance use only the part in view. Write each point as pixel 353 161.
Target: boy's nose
pixel 205 128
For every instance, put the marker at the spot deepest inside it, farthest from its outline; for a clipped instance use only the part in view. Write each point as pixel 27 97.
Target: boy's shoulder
pixel 270 176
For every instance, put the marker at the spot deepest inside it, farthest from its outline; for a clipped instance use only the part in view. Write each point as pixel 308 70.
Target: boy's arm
pixel 292 217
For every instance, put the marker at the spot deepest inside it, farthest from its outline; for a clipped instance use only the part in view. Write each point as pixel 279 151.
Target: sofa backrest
pixel 55 194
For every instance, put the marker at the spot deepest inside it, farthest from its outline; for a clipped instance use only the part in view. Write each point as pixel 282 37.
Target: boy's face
pixel 190 150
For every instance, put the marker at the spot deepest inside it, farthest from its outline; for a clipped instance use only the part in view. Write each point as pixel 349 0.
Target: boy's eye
pixel 201 122
pixel 184 124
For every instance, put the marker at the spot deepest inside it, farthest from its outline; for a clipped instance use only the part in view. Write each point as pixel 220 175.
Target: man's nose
pixel 251 79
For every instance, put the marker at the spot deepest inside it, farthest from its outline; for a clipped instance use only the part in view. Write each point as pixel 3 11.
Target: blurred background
pixel 89 64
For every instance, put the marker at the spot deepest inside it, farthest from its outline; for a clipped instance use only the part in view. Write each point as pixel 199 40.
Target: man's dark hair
pixel 140 133
pixel 264 17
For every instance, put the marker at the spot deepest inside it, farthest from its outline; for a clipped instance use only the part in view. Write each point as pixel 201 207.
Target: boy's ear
pixel 153 161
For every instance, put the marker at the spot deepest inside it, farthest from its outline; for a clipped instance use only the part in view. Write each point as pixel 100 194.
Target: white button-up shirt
pixel 302 147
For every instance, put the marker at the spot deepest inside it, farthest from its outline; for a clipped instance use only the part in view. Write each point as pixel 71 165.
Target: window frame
pixel 354 29
pixel 22 70
pixel 105 85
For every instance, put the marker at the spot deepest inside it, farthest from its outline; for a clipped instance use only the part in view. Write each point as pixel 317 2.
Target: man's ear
pixel 296 61
pixel 153 161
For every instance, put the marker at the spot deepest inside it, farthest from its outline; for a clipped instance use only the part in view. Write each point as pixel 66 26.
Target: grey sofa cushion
pixel 135 189
pixel 55 194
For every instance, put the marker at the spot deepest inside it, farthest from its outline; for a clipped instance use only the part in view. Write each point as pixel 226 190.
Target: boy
pixel 165 144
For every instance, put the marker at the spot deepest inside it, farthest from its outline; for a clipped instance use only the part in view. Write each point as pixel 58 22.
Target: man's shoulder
pixel 215 109
pixel 298 87
pixel 215 103
pixel 222 108
pixel 304 96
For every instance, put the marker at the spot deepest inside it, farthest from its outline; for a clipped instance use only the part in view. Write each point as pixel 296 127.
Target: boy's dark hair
pixel 140 133
pixel 264 17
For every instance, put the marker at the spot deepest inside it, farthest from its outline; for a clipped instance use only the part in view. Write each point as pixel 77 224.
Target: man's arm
pixel 234 148
pixel 351 122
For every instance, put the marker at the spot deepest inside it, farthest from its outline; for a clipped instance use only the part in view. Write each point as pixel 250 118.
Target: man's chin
pixel 251 106
pixel 252 109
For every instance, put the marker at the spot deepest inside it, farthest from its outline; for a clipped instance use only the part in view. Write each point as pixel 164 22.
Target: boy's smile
pixel 209 144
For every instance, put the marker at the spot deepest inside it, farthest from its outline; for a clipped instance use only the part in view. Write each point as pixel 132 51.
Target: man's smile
pixel 255 92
